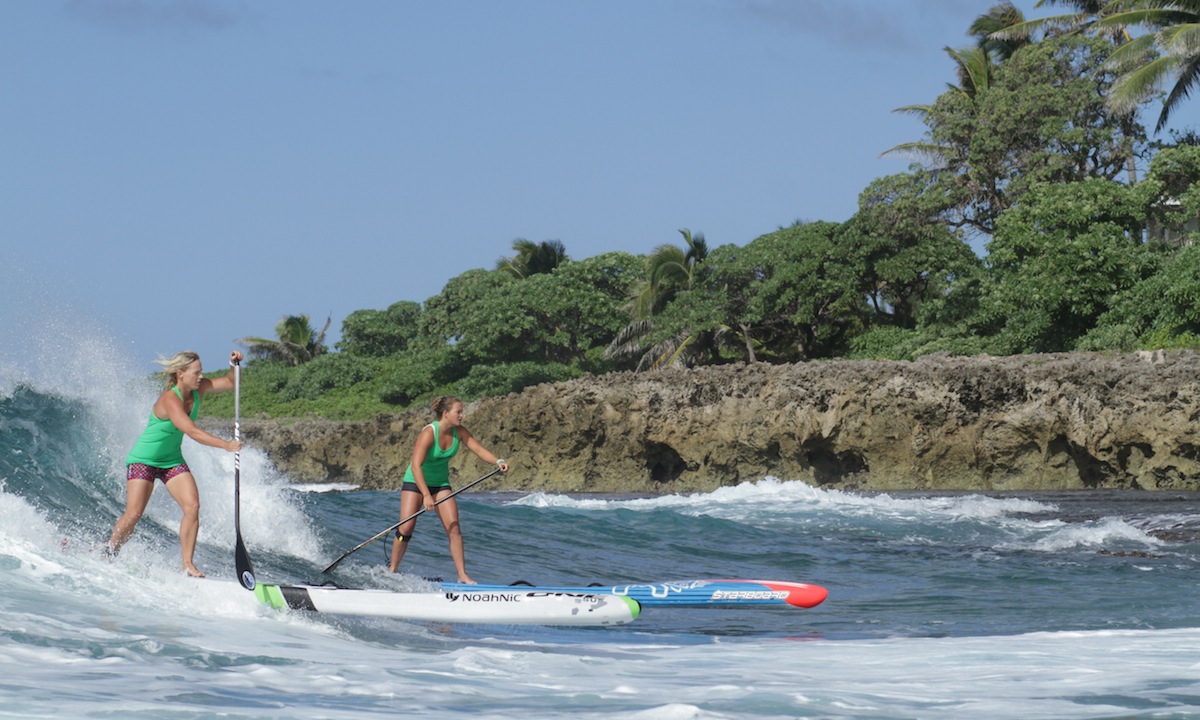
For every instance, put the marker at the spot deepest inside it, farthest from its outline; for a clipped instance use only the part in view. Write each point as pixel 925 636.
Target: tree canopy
pixel 1029 155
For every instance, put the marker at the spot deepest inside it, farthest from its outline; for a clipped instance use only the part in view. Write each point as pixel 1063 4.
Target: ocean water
pixel 1068 605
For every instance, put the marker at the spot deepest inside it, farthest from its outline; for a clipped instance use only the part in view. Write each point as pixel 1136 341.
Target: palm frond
pixel 665 353
pixel 1027 29
pixel 919 111
pixel 628 342
pixel 1188 77
pixel 923 152
pixel 974 68
pixel 1137 51
pixel 1138 85
pixel 1182 41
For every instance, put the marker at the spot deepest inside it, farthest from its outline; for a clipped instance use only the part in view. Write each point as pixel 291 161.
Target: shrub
pixel 485 380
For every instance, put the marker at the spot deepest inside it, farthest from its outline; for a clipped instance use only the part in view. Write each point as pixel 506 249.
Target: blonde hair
pixel 175 365
pixel 442 404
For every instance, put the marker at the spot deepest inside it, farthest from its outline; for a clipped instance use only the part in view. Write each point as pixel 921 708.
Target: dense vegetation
pixel 1033 155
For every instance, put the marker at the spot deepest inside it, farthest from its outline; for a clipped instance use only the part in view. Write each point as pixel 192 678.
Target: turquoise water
pixel 1070 605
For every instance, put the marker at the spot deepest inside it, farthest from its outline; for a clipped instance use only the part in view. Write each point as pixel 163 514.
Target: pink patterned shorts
pixel 142 471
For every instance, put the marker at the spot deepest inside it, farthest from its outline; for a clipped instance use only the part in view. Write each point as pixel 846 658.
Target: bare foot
pixel 192 571
pixel 466 580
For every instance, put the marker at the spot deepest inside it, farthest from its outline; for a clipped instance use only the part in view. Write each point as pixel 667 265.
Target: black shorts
pixel 433 489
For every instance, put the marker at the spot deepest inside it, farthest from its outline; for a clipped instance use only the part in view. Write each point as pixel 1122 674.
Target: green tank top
pixel 161 443
pixel 436 466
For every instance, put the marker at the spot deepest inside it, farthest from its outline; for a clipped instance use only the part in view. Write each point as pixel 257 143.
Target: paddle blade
pixel 241 559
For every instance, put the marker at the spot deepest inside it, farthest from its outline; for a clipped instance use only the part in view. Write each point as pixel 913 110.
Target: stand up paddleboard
pixel 687 593
pixel 499 605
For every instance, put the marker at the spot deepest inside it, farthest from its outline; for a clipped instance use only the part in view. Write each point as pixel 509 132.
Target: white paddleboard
pixel 508 606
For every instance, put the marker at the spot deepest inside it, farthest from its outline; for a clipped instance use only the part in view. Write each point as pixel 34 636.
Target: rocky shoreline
pixel 1029 422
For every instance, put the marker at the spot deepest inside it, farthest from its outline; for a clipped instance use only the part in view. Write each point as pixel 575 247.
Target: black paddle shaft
pixel 241 558
pixel 378 535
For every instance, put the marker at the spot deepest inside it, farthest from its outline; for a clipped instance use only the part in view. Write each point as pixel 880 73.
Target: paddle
pixel 241 558
pixel 372 539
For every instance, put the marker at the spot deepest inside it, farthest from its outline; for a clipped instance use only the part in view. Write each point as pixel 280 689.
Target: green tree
pixel 419 373
pixel 380 332
pixel 904 253
pixel 1173 181
pixel 1042 120
pixel 440 353
pixel 565 316
pixel 974 68
pixel 445 316
pixel 581 307
pixel 485 380
pixel 791 295
pixel 1086 20
pixel 331 371
pixel 1149 315
pixel 1161 311
pixel 1058 262
pixel 298 342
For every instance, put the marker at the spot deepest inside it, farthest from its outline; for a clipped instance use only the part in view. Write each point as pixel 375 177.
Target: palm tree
pixel 669 269
pixel 683 349
pixel 297 344
pixel 533 258
pixel 994 32
pixel 974 68
pixel 1167 55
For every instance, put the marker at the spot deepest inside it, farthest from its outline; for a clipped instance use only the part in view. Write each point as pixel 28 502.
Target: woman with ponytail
pixel 427 480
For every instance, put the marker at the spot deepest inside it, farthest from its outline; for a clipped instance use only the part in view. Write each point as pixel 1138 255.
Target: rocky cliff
pixel 1030 422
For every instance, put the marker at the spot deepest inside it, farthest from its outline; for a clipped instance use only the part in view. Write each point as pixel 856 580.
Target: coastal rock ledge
pixel 1028 422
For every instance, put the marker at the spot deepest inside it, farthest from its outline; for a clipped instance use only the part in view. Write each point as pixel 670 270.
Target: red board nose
pixel 798 594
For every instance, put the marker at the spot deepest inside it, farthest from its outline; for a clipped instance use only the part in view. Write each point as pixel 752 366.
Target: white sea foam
pixel 27 538
pixel 297 672
pixel 322 487
pixel 1091 534
pixel 774 496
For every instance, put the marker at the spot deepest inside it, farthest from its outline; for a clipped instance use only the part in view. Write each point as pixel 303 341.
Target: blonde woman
pixel 427 479
pixel 158 454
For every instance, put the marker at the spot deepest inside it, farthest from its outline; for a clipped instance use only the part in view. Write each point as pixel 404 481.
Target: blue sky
pixel 181 173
